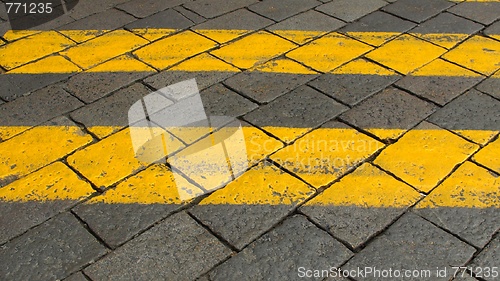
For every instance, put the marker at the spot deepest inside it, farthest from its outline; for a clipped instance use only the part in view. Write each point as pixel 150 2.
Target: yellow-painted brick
pixel 12 35
pixel 103 48
pixel 254 49
pixel 51 64
pixel 489 156
pixel 222 35
pixel 122 63
pixel 373 38
pixel 425 155
pixel 441 67
pixel 54 182
pixel 329 52
pixel 299 36
pixel 406 53
pixel 478 53
pixel 470 186
pixel 361 66
pixel 446 40
pixel 283 65
pixel 367 186
pixel 153 34
pixel 83 35
pixel 204 62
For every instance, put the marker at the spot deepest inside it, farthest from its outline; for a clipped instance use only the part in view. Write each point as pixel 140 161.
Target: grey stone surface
pixel 264 87
pixel 38 107
pixel 220 101
pixel 493 29
pixel 279 253
pixel 13 86
pixel 91 86
pixel 483 12
pixel 279 10
pixel 214 8
pixel 142 9
pixel 51 251
pixel 389 109
pixel 167 19
pixel 204 79
pixel 379 22
pixel 89 7
pixel 240 19
pixel 491 86
pixel 463 276
pixel 350 10
pixel 417 11
pixel 352 88
pixel 439 89
pixel 309 20
pixel 487 258
pixel 107 20
pixel 471 111
pixel 176 249
pixel 302 108
pixel 192 16
pixel 76 277
pixel 111 110
pixel 412 243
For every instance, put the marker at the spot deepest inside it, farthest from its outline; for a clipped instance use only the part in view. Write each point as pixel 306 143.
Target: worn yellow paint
pixel 441 67
pixel 103 48
pixel 7 132
pixel 263 184
pixel 478 53
pixel 329 52
pixel 204 62
pixel 112 159
pixel 51 64
pixel 299 36
pixel 283 65
pixel 373 38
pixel 155 185
pixel 83 35
pixel 11 35
pixel 325 154
pixel 54 182
pixel 123 63
pixel 254 49
pixel 153 34
pixel 425 155
pixel 478 136
pixel 221 35
pixel 38 147
pixel 287 135
pixel 489 156
pixel 173 49
pixel 470 186
pixel 367 186
pixel 386 134
pixel 362 66
pixel 103 131
pixel 406 53
pixel 32 48
pixel 446 40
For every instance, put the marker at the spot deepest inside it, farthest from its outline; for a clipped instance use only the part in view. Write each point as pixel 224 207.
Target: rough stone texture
pixel 51 251
pixel 350 10
pixel 264 87
pixel 89 7
pixel 493 30
pixel 76 277
pixel 203 79
pixel 166 19
pixel 214 8
pixel 439 89
pixel 195 18
pixel 220 101
pixel 112 110
pixel 142 9
pixel 279 10
pixel 240 19
pixel 13 86
pixel 463 276
pixel 491 86
pixel 389 109
pixel 107 20
pixel 483 12
pixel 90 86
pixel 417 11
pixel 413 243
pixel 176 249
pixel 352 88
pixel 471 111
pixel 310 20
pixel 278 254
pixel 447 23
pixel 487 258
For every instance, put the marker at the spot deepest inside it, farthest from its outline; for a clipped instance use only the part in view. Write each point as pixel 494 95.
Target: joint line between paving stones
pixel 213 232
pixel 91 231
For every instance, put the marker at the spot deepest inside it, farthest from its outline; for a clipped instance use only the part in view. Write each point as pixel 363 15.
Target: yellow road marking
pixel 190 51
pixel 490 156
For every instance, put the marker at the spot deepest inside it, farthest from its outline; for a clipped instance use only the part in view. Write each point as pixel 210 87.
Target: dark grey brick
pixel 278 254
pixel 413 244
pixel 350 10
pixel 91 86
pixel 379 22
pixel 13 86
pixel 176 249
pixel 89 7
pixel 279 10
pixel 463 276
pixel 192 16
pixel 38 107
pixel 352 88
pixel 487 258
pixel 240 19
pixel 107 20
pixel 111 110
pixel 491 86
pixel 214 8
pixel 203 79
pixel 302 108
pixel 417 11
pixel 76 277
pixel 166 19
pixel 51 251
pixel 493 30
pixel 142 9
pixel 471 111
pixel 389 109
pixel 3 13
pixel 483 12
pixel 220 101
pixel 264 87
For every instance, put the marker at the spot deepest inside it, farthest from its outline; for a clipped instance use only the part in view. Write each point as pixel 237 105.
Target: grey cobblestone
pixel 279 10
pixel 417 11
pixel 487 258
pixel 203 79
pixel 220 101
pixel 166 19
pixel 142 9
pixel 491 86
pixel 350 10
pixel 483 12
pixel 214 8
pixel 241 19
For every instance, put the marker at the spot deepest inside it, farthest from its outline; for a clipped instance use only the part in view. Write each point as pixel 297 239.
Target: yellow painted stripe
pixel 234 50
